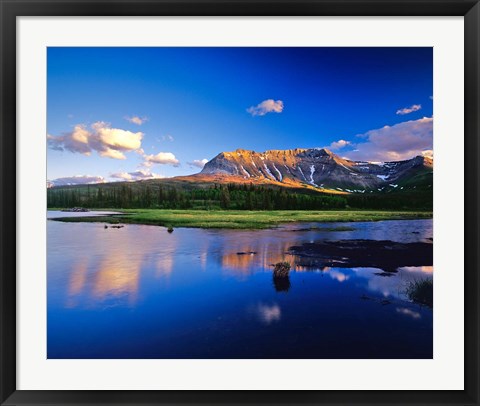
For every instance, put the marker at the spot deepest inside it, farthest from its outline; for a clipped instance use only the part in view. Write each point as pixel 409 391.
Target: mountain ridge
pixel 316 168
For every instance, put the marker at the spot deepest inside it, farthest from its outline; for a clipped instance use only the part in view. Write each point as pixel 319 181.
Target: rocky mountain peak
pixel 313 167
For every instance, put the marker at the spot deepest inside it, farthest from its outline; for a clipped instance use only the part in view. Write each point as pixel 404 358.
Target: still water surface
pixel 140 292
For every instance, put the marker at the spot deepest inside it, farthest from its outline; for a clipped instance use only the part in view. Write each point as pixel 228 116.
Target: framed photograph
pixel 235 203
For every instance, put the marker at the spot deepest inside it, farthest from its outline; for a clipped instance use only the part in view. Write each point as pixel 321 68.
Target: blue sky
pixel 132 113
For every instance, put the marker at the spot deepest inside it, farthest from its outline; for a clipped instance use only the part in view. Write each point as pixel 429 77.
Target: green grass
pixel 243 219
pixel 421 291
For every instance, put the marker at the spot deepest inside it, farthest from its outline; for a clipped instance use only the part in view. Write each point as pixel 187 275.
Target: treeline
pixel 231 196
pixel 419 200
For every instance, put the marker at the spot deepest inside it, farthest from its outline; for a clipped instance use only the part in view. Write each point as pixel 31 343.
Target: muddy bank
pixel 386 255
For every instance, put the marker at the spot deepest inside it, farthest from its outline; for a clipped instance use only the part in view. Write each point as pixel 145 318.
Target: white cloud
pixel 74 141
pixel 146 164
pixel 408 110
pixel 121 175
pixel 80 135
pixel 112 153
pixel 199 163
pixel 77 180
pixel 136 120
pixel 395 143
pixel 266 106
pixel 108 142
pixel 136 175
pixel 428 153
pixel 141 174
pixel 339 144
pixel 116 138
pixel 162 158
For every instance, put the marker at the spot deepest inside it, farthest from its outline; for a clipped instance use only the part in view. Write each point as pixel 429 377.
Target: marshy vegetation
pixel 421 291
pixel 281 276
pixel 281 269
pixel 242 219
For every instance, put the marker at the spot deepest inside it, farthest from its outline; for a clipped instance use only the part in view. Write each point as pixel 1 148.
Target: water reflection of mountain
pixel 110 270
pixel 273 247
pixel 140 292
pixel 241 254
pixel 248 263
pixel 112 274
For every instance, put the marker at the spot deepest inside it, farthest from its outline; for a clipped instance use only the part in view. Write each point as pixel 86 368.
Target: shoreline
pixel 239 219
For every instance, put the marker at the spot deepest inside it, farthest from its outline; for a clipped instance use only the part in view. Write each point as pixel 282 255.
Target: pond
pixel 141 292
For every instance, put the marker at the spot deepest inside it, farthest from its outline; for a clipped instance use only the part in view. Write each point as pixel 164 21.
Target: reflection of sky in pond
pixel 140 292
pixel 376 281
pixel 55 214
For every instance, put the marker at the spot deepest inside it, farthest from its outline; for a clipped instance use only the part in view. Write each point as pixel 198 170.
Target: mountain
pixel 299 179
pixel 318 169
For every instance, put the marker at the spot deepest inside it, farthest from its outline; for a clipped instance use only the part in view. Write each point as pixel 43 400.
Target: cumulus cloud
pixel 428 153
pixel 266 106
pixel 136 175
pixel 100 137
pixel 199 163
pixel 116 138
pixel 408 110
pixel 162 158
pixel 395 143
pixel 167 137
pixel 136 120
pixel 112 153
pixel 338 145
pixel 121 175
pixel 76 180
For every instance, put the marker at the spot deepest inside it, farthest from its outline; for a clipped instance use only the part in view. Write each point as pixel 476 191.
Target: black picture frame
pixel 10 10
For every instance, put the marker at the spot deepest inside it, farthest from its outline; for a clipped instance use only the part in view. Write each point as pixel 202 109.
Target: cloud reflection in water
pixel 269 313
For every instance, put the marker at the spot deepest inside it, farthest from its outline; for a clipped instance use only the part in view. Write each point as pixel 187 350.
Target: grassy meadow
pixel 243 219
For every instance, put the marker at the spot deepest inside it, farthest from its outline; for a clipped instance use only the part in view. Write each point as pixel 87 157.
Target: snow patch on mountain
pixel 312 171
pixel 304 178
pixel 268 171
pixel 245 172
pixel 279 174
